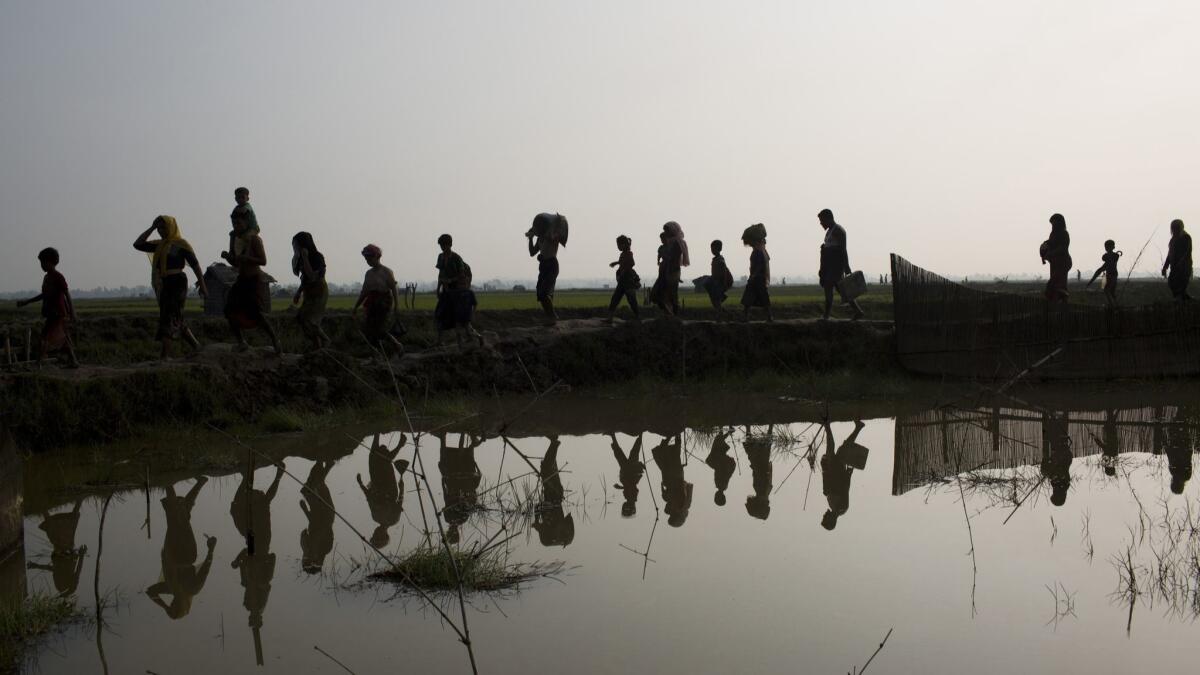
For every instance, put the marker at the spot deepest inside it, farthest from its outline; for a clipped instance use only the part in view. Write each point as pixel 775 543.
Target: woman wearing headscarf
pixel 309 265
pixel 169 254
pixel 674 258
pixel 1177 268
pixel 1056 251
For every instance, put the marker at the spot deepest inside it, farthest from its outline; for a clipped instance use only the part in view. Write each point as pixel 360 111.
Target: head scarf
pixel 171 237
pixel 674 231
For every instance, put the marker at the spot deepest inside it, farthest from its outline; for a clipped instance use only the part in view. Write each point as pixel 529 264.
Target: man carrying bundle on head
pixel 549 230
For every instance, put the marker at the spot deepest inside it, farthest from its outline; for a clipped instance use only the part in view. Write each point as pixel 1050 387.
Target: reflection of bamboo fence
pixel 938 443
pixel 946 328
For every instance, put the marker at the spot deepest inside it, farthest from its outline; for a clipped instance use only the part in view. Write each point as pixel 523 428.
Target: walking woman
pixel 249 298
pixel 1178 266
pixel 756 293
pixel 674 258
pixel 168 256
pixel 309 265
pixel 1056 251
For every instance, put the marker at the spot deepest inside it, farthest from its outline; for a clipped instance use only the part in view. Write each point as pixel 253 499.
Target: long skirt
pixel 1178 280
pixel 316 296
pixel 1056 287
pixel 172 296
pixel 455 308
pixel 547 277
pixel 378 320
pixel 756 294
pixel 247 301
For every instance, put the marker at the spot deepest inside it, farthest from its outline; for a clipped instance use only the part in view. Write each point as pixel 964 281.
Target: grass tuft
pixel 431 570
pixel 23 624
pixel 281 420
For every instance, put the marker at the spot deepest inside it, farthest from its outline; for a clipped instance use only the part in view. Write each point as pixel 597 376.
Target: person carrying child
pixel 455 299
pixel 756 293
pixel 57 309
pixel 250 296
pixel 720 279
pixel 628 281
pixel 1108 267
pixel 380 297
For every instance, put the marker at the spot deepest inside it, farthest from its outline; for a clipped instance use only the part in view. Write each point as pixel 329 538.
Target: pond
pixel 989 538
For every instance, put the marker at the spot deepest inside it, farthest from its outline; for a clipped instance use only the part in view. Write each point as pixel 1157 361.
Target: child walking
pixel 628 281
pixel 380 297
pixel 720 279
pixel 1108 267
pixel 455 300
pixel 756 294
pixel 57 309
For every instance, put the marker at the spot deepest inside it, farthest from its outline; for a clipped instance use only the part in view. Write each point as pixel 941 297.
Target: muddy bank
pixel 54 407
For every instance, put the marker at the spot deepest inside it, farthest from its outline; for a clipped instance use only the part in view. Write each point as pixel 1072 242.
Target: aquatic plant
pixel 480 569
pixel 24 623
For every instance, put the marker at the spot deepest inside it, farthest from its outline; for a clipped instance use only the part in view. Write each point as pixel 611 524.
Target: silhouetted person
pixel 316 541
pixel 722 464
pixel 674 257
pixel 1177 268
pixel 1108 267
pixel 1179 453
pixel 835 261
pixel 628 281
pixel 758 453
pixel 1110 444
pixel 676 492
pixel 169 255
pixel 835 475
pixel 1056 250
pixel 1056 456
pixel 554 526
pixel 251 511
pixel 181 579
pixel 548 232
pixel 248 300
pixel 460 483
pixel 720 280
pixel 66 561
pixel 629 474
pixel 385 493
pixel 757 293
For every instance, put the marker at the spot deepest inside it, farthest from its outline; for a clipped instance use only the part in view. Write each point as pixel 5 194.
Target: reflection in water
pixel 180 578
pixel 758 453
pixel 1110 445
pixel 385 493
pixel 66 561
pixel 1179 452
pixel 316 541
pixel 836 469
pixel 1056 456
pixel 676 492
pixel 460 482
pixel 554 526
pixel 251 511
pixel 722 464
pixel 629 474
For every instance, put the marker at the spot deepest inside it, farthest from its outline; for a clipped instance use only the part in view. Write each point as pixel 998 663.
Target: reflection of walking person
pixel 676 492
pixel 385 493
pixel 1056 456
pixel 460 483
pixel 181 579
pixel 1179 451
pixel 722 464
pixel 555 527
pixel 629 474
pixel 66 561
pixel 836 470
pixel 758 453
pixel 316 541
pixel 251 511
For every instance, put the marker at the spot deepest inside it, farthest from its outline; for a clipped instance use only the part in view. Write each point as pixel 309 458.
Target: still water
pixel 991 539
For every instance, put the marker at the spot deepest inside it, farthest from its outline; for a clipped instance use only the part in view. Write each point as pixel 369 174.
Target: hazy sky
pixel 945 130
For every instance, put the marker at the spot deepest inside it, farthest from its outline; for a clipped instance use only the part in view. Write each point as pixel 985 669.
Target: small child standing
pixel 455 300
pixel 720 279
pixel 1108 267
pixel 57 309
pixel 628 281
pixel 756 294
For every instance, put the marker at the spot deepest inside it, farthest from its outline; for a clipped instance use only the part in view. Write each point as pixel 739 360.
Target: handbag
pixel 851 286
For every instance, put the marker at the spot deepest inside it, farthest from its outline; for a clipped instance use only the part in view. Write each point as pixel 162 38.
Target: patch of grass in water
pixel 281 420
pixel 23 624
pixel 431 569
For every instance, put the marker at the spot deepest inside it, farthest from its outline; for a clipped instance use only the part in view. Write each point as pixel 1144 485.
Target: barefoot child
pixel 309 264
pixel 756 294
pixel 455 299
pixel 628 281
pixel 380 298
pixel 57 309
pixel 1108 267
pixel 719 280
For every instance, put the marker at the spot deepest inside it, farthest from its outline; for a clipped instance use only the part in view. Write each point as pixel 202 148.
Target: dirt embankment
pixel 94 404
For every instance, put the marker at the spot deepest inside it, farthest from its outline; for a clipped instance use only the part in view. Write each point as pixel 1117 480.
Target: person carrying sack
pixel 835 264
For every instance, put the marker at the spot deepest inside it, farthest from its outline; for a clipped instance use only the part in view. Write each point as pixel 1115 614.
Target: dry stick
pixel 1129 274
pixel 96 585
pixel 328 656
pixel 405 577
pixel 962 497
pixel 1031 491
pixel 877 650
pixel 28 341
